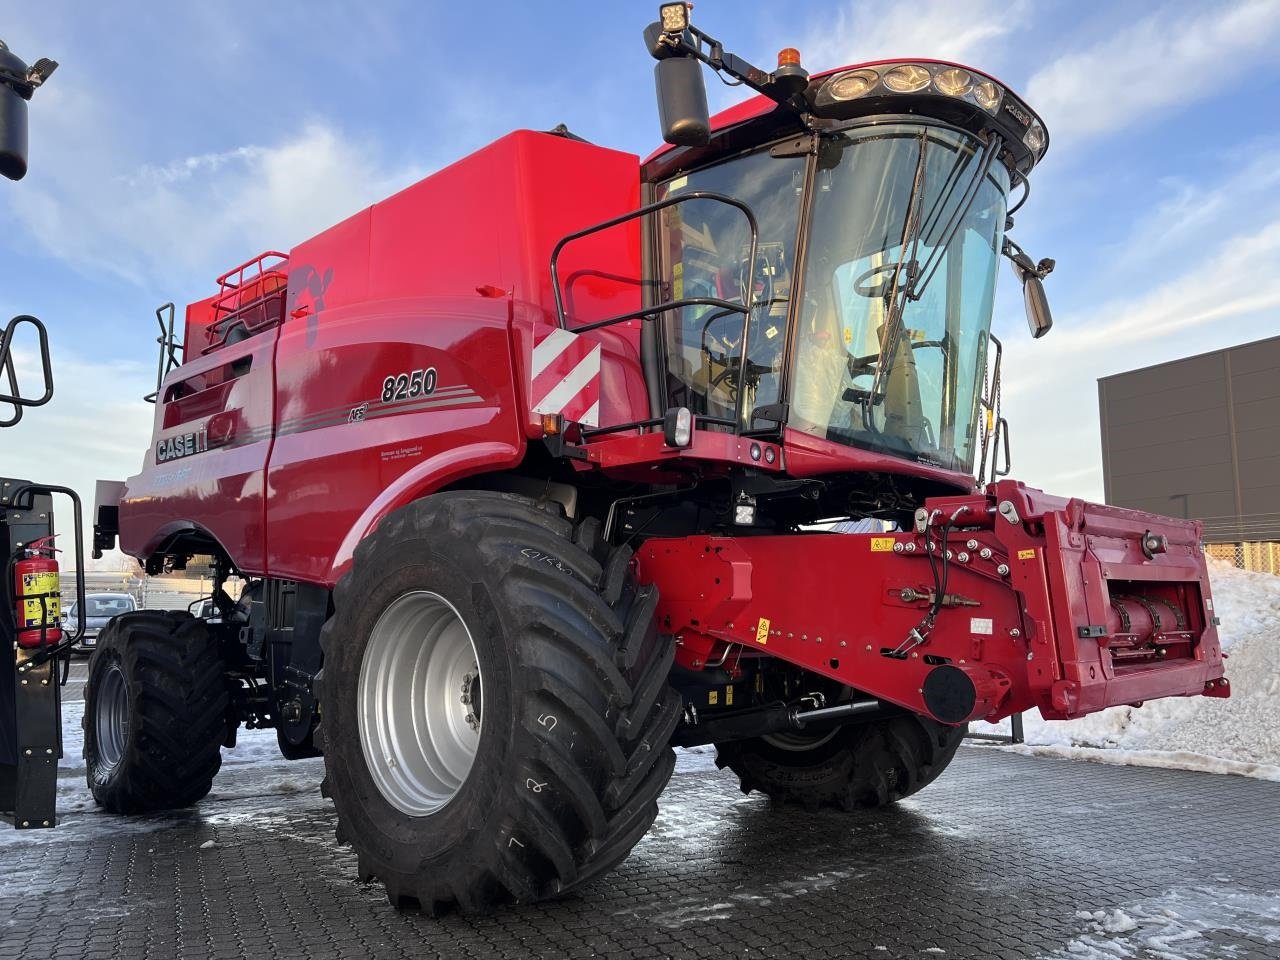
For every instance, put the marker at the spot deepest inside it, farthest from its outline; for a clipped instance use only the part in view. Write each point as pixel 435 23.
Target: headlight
pixel 677 427
pixel 1034 138
pixel 907 78
pixel 987 95
pixel 954 82
pixel 674 17
pixel 848 86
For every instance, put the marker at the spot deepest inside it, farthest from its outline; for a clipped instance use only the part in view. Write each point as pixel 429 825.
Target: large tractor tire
pixel 858 765
pixel 495 709
pixel 155 716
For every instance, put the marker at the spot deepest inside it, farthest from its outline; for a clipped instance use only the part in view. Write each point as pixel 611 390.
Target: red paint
pixel 834 603
pixel 390 356
pixel 35 589
pixel 451 274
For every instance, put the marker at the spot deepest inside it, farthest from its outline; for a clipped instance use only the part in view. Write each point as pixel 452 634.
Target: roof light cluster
pixel 958 83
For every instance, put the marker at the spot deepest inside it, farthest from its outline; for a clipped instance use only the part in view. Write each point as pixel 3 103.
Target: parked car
pixel 98 609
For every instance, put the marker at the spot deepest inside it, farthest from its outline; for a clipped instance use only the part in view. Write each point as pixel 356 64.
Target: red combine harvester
pixel 527 468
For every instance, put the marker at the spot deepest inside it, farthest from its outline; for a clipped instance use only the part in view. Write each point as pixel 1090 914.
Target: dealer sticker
pixel 1026 554
pixel 981 625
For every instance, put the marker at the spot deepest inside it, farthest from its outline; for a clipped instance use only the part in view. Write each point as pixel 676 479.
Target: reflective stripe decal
pixel 565 373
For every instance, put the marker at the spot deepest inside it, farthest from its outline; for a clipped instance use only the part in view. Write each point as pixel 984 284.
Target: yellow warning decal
pixel 713 697
pixel 1026 554
pixel 882 544
pixel 33 612
pixel 762 631
pixel 728 696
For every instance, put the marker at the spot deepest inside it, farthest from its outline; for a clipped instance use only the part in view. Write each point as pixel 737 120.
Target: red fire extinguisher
pixel 37 587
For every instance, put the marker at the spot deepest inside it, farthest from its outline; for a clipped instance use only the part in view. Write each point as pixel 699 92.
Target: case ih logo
pixel 1016 111
pixel 183 445
pixel 566 377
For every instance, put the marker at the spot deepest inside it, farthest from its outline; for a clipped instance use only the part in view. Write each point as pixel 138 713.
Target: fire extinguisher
pixel 37 588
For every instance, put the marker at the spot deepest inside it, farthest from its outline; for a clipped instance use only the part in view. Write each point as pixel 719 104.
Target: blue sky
pixel 178 139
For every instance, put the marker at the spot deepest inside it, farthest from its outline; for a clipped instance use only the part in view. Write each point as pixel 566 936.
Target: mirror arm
pixel 691 43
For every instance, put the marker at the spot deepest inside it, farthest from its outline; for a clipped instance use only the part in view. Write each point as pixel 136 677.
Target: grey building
pixel 1200 438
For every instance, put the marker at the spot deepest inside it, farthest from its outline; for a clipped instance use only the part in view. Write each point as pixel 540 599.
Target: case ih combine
pixel 523 466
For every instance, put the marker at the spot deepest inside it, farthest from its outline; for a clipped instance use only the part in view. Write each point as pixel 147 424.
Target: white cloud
pixel 96 427
pixel 938 29
pixel 1168 59
pixel 187 218
pixel 1051 388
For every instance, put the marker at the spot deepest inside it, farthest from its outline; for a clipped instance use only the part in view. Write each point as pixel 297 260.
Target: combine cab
pixel 530 469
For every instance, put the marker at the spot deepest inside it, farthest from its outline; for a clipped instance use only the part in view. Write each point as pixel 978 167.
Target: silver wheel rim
pixel 419 700
pixel 799 742
pixel 111 715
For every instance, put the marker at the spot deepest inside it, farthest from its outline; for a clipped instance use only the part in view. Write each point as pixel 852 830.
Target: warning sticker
pixel 728 696
pixel 882 544
pixel 762 631
pixel 41 604
pixel 982 626
pixel 713 697
pixel 1026 554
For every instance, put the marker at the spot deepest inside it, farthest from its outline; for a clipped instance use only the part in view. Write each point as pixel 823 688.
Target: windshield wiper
pixel 909 246
pixel 939 247
pixel 918 276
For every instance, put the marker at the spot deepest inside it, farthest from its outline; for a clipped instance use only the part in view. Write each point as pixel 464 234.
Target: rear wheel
pixel 155 714
pixel 496 714
pixel 866 764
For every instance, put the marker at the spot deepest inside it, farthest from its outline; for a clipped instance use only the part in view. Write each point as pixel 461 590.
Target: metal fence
pixel 1259 556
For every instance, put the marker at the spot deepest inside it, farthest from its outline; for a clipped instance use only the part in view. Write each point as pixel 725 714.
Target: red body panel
pixel 834 603
pixel 302 455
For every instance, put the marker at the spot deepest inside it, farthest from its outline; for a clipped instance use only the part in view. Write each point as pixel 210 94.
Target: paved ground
pixel 1004 857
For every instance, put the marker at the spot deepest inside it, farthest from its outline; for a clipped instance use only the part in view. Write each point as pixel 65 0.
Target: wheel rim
pixel 111 715
pixel 419 701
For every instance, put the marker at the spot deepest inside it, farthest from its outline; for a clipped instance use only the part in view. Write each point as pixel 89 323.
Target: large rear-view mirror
pixel 13 129
pixel 682 102
pixel 17 83
pixel 1039 317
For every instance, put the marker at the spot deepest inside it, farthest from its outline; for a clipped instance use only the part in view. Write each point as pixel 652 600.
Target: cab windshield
pixel 889 346
pixel 903 248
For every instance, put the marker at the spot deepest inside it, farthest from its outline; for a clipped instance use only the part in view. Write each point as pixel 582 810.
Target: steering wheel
pixel 880 289
pixel 719 314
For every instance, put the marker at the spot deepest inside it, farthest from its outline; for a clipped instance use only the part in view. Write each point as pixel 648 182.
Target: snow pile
pixel 1185 923
pixel 1238 735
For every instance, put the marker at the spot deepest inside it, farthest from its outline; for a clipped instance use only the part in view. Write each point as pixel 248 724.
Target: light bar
pixel 942 83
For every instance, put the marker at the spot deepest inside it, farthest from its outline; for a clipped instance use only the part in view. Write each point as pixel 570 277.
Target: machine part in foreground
pixel 495 692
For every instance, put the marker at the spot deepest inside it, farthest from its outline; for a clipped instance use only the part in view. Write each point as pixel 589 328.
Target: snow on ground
pixel 1239 735
pixel 1188 923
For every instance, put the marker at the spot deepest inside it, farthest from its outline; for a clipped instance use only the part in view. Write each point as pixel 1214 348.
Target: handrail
pixel 168 347
pixel 15 399
pixel 649 313
pixel 993 423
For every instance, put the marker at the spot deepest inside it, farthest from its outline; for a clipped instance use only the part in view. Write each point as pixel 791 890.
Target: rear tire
pixel 561 679
pixel 155 713
pixel 859 765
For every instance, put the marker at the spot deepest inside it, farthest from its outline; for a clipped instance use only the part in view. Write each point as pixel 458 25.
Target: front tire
pixel 496 713
pixel 867 764
pixel 155 713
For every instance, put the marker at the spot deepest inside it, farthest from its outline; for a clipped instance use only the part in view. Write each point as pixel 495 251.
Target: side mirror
pixel 13 126
pixel 682 102
pixel 1039 317
pixel 17 83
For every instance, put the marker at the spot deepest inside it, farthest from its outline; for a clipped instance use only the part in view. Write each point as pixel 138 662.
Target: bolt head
pixel 985 553
pixel 1003 569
